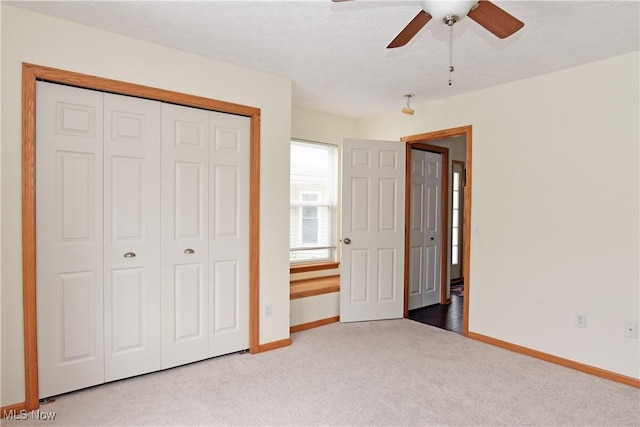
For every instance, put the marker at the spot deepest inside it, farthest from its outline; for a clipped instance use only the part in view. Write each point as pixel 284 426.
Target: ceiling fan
pixel 485 13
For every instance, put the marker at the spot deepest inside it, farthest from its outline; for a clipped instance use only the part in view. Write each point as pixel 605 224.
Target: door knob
pixel 347 241
pixel 189 251
pixel 129 255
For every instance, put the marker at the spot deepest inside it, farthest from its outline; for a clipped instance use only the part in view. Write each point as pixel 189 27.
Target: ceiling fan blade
pixel 494 19
pixel 410 30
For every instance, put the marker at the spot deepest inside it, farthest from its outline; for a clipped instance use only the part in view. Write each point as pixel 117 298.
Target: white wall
pixel 319 307
pixel 556 196
pixel 320 127
pixel 456 146
pixel 42 40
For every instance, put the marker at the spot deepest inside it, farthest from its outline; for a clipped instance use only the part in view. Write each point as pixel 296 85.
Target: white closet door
pixel 69 245
pixel 131 236
pixel 185 235
pixel 229 233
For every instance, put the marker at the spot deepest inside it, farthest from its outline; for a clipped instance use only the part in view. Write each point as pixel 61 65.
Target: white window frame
pixel 330 203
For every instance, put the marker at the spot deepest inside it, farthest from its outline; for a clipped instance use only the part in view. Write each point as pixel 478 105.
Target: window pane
pixel 454 255
pixel 309 212
pixel 456 200
pixel 456 181
pixel 312 172
pixel 309 231
pixel 454 236
pixel 455 218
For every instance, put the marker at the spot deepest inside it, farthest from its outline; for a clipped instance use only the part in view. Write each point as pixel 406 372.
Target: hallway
pixel 447 317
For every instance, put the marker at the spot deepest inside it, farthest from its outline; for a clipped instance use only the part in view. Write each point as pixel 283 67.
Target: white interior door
pixel 185 235
pixel 373 200
pixel 229 169
pixel 417 267
pixel 425 229
pixel 131 236
pixel 69 240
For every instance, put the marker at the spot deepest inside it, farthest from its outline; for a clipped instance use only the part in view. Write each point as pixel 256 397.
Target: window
pixel 313 202
pixel 455 218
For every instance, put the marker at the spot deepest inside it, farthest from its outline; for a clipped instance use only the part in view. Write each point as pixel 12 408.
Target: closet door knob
pixel 189 251
pixel 129 255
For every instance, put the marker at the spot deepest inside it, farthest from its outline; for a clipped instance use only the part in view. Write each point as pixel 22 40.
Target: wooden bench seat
pixel 317 286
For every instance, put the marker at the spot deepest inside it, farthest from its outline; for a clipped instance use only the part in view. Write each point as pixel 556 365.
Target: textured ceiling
pixel 335 53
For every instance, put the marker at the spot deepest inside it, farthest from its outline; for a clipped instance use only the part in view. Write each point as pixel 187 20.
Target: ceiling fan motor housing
pixel 447 10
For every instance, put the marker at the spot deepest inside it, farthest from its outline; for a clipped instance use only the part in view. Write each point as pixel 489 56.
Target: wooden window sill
pixel 317 286
pixel 302 268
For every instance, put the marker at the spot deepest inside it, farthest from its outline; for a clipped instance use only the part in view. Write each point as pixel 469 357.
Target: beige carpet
pixel 395 372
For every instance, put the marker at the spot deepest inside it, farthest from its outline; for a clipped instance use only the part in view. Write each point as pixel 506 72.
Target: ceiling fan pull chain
pixel 451 69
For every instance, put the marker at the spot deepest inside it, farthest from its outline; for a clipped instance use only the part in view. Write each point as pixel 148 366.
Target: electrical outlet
pixel 267 310
pixel 630 329
pixel 581 320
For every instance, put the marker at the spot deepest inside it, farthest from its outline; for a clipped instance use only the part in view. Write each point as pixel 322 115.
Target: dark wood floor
pixel 447 317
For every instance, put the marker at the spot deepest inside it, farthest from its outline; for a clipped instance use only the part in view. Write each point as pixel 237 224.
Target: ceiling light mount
pixel 408 110
pixel 450 19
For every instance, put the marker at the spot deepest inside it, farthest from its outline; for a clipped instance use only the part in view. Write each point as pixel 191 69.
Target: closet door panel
pixel 188 298
pixel 229 233
pixel 226 294
pixel 131 236
pixel 69 241
pixel 185 233
pixel 189 185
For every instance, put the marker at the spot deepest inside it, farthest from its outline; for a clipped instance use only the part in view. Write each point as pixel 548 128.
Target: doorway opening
pixel 427 218
pixel 458 140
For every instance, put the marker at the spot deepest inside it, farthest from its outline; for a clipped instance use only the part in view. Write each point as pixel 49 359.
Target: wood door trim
pixel 29 76
pixel 314 324
pixel 444 218
pixel 31 73
pixel 467 132
pixel 275 345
